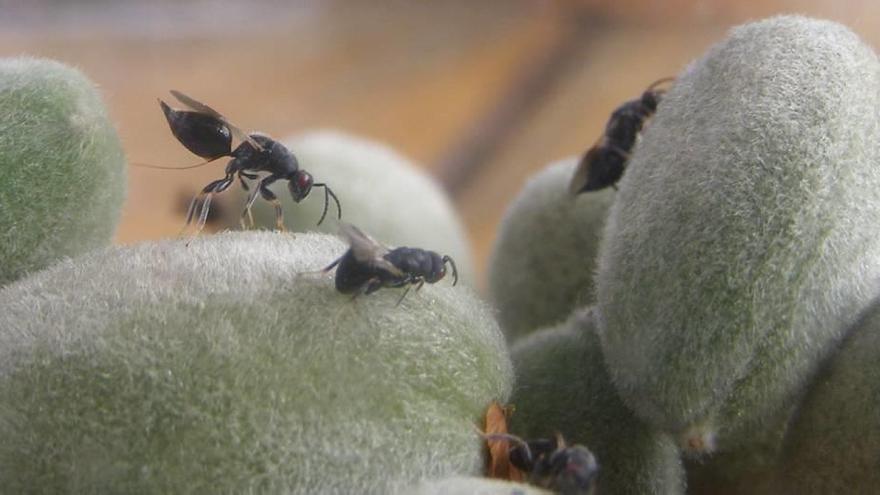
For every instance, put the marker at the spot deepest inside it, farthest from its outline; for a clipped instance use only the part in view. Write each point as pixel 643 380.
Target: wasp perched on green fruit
pixel 604 163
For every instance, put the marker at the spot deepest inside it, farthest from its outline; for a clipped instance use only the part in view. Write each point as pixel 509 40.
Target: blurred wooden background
pixel 482 94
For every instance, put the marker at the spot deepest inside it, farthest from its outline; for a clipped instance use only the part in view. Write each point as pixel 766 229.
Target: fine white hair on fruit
pixel 562 386
pixel 471 485
pixel 222 366
pixel 62 166
pixel 743 241
pixel 544 258
pixel 833 444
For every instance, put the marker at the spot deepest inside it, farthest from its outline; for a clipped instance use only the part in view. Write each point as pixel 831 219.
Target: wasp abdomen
pixel 352 275
pixel 204 135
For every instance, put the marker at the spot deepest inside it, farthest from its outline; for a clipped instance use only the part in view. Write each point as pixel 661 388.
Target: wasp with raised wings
pixel 208 134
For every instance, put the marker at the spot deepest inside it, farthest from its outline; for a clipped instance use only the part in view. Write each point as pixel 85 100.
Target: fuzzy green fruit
pixel 543 261
pixel 833 446
pixel 749 470
pixel 380 191
pixel 62 166
pixel 743 241
pixel 161 368
pixel 463 485
pixel 562 386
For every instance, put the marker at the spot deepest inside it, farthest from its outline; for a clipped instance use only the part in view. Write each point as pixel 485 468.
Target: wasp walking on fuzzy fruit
pixel 208 134
pixel 368 266
pixel 552 464
pixel 604 163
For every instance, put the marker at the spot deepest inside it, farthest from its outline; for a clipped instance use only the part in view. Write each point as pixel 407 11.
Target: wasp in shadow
pixel 603 164
pixel 552 464
pixel 368 266
pixel 208 134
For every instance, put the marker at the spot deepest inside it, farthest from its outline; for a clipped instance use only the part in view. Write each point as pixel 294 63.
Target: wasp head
pixel 300 184
pixel 650 100
pixel 570 470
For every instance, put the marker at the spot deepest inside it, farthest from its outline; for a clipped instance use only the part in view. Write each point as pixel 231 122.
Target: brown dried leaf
pixel 498 461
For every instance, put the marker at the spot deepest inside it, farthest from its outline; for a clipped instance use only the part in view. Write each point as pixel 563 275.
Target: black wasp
pixel 368 266
pixel 551 464
pixel 604 163
pixel 208 134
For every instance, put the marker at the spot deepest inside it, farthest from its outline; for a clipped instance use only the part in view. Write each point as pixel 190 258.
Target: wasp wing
pixel 366 249
pixel 205 109
pixel 580 180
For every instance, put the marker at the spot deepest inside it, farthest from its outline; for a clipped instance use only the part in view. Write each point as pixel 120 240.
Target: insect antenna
pixel 515 439
pixel 658 82
pixel 451 262
pixel 185 167
pixel 328 193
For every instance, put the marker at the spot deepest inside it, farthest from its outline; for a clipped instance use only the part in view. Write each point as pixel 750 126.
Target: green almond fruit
pixel 62 166
pixel 743 241
pixel 833 444
pixel 562 387
pixel 225 366
pixel 543 262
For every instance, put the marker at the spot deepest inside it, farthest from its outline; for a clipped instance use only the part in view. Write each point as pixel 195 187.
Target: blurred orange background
pixel 481 94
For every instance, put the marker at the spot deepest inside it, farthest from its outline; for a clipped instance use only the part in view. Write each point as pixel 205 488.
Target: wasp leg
pixel 332 265
pixel 190 212
pixel 270 197
pixel 206 206
pixel 218 186
pixel 419 283
pixel 251 197
pixel 373 285
pixel 246 213
pixel 370 286
pixel 200 197
pixel 323 270
pixel 242 175
pixel 405 292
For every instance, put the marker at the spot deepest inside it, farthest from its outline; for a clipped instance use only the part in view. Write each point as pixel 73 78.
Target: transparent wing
pixel 205 109
pixel 367 250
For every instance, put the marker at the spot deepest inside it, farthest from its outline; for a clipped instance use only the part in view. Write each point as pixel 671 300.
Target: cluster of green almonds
pixel 707 328
pixel 223 366
pixel 724 341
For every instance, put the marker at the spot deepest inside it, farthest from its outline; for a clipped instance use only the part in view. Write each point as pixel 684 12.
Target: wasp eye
pixel 300 185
